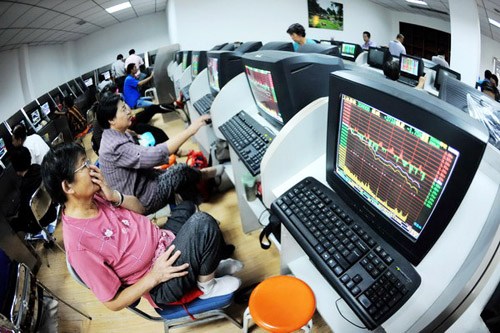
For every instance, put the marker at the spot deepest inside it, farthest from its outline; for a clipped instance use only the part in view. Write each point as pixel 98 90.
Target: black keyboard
pixel 408 81
pixel 185 92
pixel 248 138
pixel 372 277
pixel 204 104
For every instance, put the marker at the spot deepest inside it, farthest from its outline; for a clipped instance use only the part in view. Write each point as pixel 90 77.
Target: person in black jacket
pixel 31 179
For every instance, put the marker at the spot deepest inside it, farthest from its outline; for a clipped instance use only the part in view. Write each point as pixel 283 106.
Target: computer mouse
pixel 208 121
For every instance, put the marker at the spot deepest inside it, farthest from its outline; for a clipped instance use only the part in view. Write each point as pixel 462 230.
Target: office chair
pixel 40 204
pixel 22 294
pixel 57 140
pixel 195 312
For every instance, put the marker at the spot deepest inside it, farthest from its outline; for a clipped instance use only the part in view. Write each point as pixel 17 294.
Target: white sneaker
pixel 219 286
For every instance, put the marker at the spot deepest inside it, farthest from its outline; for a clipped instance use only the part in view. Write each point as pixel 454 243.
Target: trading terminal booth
pixel 404 175
pixel 350 51
pixel 16 119
pixel 319 48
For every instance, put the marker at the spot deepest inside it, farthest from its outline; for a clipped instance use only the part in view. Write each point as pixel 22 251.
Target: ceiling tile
pixel 12 14
pixel 31 15
pixel 44 19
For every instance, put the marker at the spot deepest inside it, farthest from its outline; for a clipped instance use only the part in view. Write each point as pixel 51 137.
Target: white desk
pixel 448 286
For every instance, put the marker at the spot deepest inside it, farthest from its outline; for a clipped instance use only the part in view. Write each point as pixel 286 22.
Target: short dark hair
pixel 107 108
pixel 119 57
pixel 69 101
pixel 391 69
pixel 296 28
pixel 130 67
pixel 20 158
pixel 19 132
pixel 58 165
pixel 367 33
pixel 487 74
pixel 131 51
pixel 494 77
pixel 400 35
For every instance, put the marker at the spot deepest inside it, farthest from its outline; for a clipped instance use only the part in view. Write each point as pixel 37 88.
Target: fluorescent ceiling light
pixel 418 2
pixel 116 8
pixel 495 23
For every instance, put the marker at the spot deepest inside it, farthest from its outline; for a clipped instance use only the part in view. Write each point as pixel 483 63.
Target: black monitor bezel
pixel 202 62
pixel 186 54
pixel 420 66
pixel 278 46
pixel 387 56
pixel 178 57
pixel 79 81
pixel 439 69
pixel 229 65
pixel 434 117
pixel 16 119
pixel 357 51
pixel 29 109
pixel 46 99
pixel 64 87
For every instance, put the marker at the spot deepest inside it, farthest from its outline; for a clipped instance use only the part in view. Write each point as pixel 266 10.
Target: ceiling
pixel 45 22
pixel 440 9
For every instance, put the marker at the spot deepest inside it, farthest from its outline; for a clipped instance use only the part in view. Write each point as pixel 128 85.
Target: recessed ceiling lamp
pixel 418 2
pixel 118 7
pixel 495 23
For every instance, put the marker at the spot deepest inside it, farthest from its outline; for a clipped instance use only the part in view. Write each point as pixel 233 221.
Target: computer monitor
pixel 377 56
pixel 222 67
pixel 3 148
pixel 186 59
pixel 89 79
pixel 402 161
pixel 228 47
pixel 81 84
pixel 32 111
pixel 178 57
pixel 455 93
pixel 350 51
pixel 107 75
pixel 198 62
pixel 410 66
pixel 35 117
pixel 441 72
pixel 278 46
pixel 45 108
pixel 75 88
pixel 282 82
pixel 330 49
pixel 152 57
pixel 248 47
pixel 16 119
pixel 89 82
pixel 65 89
pixel 218 47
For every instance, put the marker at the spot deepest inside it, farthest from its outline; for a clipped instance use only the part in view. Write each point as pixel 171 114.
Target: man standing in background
pixel 118 71
pixel 135 59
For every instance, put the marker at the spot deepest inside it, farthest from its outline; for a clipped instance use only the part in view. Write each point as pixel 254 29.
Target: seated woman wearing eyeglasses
pixel 129 167
pixel 119 253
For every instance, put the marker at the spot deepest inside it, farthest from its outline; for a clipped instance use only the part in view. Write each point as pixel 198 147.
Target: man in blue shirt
pixel 298 35
pixel 368 43
pixel 131 86
pixel 396 46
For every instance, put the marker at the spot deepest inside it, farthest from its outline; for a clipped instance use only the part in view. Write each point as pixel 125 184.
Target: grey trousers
pixel 200 241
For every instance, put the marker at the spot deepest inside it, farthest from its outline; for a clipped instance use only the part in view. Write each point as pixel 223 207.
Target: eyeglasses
pixel 85 164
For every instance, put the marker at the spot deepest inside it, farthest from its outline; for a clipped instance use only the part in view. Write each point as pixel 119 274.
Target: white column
pixel 25 74
pixel 465 39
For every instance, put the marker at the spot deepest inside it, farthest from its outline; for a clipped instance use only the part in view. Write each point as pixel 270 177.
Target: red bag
pixel 196 159
pixel 187 298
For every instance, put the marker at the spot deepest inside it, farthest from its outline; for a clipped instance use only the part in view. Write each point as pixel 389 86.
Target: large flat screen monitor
pixel 402 161
pixel 282 83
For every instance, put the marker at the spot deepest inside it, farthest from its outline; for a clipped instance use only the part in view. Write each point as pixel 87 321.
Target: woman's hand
pixel 164 269
pixel 199 122
pixel 97 178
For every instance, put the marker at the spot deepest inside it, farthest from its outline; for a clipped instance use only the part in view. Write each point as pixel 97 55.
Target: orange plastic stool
pixel 281 304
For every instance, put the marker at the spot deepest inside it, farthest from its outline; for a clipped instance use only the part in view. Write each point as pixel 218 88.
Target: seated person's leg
pixel 142 103
pixel 200 243
pixel 179 178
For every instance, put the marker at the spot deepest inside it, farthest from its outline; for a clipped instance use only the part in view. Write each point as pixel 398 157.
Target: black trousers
pixel 200 241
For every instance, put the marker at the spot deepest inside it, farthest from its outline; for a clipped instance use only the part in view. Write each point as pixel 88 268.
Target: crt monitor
pixel 350 51
pixel 222 67
pixel 178 57
pixel 18 118
pixel 47 106
pixel 455 93
pixel 402 161
pixel 228 47
pixel 75 88
pixel 377 56
pixel 218 47
pixel 65 89
pixel 186 59
pixel 106 75
pixel 248 47
pixel 282 83
pixel 441 72
pixel 330 49
pixel 410 66
pixel 79 81
pixel 278 46
pixel 32 110
pixel 198 62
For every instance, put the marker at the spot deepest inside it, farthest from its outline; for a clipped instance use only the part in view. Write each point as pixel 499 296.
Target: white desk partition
pixel 456 270
pixel 177 72
pixel 234 97
pixel 185 78
pixel 170 69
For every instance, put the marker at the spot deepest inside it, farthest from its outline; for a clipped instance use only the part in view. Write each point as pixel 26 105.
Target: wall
pixel 489 49
pixel 11 93
pixel 239 21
